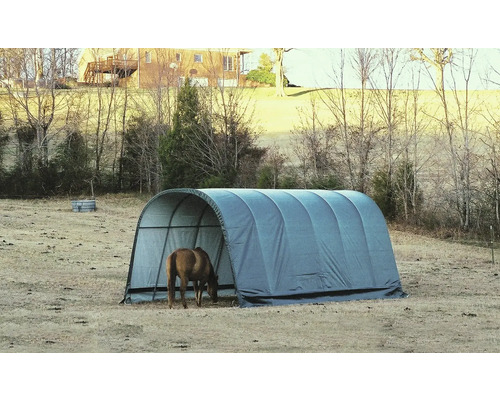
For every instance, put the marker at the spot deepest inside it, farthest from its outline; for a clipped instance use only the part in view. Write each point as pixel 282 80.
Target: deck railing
pixel 107 66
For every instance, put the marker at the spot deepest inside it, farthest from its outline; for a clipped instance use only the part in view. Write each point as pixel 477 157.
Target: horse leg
pixel 171 297
pixel 196 289
pixel 184 283
pixel 202 285
pixel 171 273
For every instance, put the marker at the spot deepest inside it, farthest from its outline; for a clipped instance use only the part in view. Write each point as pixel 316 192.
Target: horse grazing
pixel 191 265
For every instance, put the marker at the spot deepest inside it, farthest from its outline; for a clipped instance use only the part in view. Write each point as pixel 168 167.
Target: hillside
pixel 279 115
pixel 275 116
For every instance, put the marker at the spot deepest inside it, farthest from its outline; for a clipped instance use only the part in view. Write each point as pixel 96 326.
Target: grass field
pixel 275 116
pixel 280 115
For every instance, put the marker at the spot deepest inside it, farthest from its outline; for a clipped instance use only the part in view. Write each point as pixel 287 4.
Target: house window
pixel 147 56
pixel 228 63
pixel 178 57
pixel 198 58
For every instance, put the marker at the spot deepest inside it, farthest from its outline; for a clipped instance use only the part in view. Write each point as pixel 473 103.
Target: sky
pixel 314 67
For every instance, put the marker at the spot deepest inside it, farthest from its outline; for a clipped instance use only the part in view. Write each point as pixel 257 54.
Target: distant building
pixel 149 68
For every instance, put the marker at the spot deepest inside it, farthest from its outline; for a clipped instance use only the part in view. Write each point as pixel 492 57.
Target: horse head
pixel 212 286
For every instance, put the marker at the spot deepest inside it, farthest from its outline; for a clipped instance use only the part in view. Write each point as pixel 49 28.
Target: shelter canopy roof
pixel 270 246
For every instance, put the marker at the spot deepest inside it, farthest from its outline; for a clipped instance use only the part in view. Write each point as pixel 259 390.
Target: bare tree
pixel 491 174
pixel 336 102
pixel 164 84
pixel 365 130
pixel 491 139
pixel 228 134
pixel 414 157
pixel 31 89
pixel 212 138
pixel 279 54
pixel 158 101
pixel 140 154
pixel 392 67
pixel 384 188
pixel 67 64
pixel 313 144
pixel 457 128
pixel 437 58
pixel 228 125
pixel 100 115
pixel 274 162
pixel 352 112
pixel 466 150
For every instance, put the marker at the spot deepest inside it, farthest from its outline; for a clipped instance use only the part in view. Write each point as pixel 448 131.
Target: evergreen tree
pixel 210 144
pixel 175 147
pixel 73 164
pixel 140 164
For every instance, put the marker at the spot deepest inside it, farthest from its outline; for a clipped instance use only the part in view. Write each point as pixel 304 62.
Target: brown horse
pixel 191 265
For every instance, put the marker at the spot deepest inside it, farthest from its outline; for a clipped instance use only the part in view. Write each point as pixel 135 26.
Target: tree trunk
pixel 278 69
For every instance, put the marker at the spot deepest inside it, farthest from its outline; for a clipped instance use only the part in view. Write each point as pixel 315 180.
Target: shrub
pixel 4 140
pixel 72 164
pixel 289 182
pixel 218 181
pixel 384 194
pixel 140 166
pixel 265 77
pixel 266 178
pixel 328 182
pixel 398 196
pixel 262 76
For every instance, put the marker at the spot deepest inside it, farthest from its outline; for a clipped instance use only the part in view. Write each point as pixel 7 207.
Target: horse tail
pixel 171 274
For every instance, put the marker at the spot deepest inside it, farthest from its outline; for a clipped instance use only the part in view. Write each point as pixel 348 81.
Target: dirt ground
pixel 63 276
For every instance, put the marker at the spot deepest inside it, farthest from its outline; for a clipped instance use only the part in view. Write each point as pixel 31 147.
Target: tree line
pixel 58 139
pixel 433 165
pixel 430 163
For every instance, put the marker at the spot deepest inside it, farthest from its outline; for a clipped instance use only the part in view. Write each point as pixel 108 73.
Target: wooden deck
pixel 122 68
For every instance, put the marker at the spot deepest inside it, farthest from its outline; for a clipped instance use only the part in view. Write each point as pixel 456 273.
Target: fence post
pixel 492 243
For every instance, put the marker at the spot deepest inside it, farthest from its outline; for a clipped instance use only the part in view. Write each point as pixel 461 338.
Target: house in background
pixel 149 68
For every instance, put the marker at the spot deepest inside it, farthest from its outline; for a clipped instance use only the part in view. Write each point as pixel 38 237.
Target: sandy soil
pixel 63 276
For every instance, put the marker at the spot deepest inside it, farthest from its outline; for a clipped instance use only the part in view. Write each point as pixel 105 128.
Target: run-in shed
pixel 269 247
